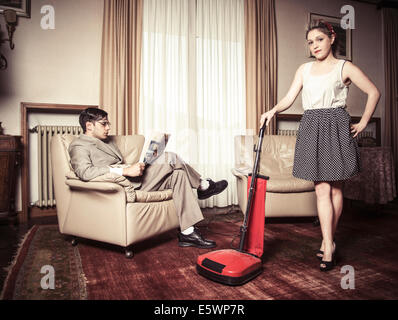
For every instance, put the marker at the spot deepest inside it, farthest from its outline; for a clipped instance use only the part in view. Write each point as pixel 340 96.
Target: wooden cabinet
pixel 10 160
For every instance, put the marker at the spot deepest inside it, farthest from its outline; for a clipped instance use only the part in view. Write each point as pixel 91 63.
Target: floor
pixel 11 235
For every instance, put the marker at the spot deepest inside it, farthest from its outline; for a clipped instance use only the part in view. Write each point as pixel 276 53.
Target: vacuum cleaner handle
pixel 262 130
pixel 252 187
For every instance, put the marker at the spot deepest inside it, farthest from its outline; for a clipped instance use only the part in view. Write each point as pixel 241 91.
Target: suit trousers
pixel 169 171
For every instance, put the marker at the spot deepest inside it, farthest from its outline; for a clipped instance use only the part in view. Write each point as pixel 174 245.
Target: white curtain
pixel 193 83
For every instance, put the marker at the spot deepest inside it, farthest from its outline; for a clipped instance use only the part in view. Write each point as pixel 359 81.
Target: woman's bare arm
pixel 352 72
pixel 288 99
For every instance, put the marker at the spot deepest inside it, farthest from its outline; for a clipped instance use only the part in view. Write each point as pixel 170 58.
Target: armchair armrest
pixel 93 186
pixel 241 172
pixel 153 196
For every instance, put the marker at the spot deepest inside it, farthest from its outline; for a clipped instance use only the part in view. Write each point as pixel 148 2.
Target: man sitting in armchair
pixel 92 154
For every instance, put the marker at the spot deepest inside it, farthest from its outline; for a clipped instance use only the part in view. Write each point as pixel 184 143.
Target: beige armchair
pixel 286 195
pixel 100 210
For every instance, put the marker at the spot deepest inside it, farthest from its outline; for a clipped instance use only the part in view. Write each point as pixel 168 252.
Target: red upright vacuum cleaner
pixel 238 266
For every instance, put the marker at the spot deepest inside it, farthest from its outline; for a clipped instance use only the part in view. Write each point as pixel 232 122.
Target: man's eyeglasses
pixel 104 123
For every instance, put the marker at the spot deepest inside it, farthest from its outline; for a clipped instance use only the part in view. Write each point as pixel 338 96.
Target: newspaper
pixel 154 147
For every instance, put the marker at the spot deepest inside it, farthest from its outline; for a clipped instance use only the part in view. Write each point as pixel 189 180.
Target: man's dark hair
pixel 91 115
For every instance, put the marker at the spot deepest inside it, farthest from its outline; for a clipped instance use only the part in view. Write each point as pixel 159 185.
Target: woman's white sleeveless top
pixel 324 91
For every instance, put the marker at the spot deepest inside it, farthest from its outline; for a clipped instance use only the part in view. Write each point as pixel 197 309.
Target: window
pixel 193 82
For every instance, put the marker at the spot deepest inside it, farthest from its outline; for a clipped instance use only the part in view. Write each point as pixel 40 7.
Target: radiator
pixel 287 132
pixel 45 179
pixel 363 134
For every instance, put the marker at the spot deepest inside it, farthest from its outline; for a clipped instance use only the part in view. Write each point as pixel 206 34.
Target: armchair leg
pixel 74 242
pixel 129 252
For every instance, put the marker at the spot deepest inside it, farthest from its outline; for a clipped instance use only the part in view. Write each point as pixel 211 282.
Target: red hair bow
pixel 329 26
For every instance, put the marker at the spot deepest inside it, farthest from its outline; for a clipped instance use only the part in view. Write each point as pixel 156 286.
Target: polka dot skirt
pixel 325 149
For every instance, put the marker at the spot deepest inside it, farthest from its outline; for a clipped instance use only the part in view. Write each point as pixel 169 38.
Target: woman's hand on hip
pixel 357 128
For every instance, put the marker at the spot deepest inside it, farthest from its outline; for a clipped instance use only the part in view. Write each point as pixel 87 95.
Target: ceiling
pixel 381 3
pixel 368 1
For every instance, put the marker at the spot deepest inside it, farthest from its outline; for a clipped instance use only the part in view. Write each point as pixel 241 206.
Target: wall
pixel 292 18
pixel 57 66
pixel 52 66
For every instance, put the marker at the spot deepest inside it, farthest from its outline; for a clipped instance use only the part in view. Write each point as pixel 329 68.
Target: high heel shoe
pixel 329 265
pixel 319 254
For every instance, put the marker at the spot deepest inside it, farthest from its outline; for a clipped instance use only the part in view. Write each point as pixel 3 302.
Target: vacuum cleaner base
pixel 230 267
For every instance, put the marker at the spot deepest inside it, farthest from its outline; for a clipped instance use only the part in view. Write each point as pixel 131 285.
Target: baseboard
pixel 35 212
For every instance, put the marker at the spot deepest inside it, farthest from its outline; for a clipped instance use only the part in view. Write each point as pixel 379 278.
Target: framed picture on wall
pixel 21 7
pixel 344 47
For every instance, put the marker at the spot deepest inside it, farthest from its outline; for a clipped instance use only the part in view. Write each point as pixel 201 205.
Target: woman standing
pixel 326 151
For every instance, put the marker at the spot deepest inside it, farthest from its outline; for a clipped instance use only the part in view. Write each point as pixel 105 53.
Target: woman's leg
pixel 337 200
pixel 323 192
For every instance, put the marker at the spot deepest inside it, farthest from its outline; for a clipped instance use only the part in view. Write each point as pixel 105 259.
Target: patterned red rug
pixel 43 247
pixel 161 270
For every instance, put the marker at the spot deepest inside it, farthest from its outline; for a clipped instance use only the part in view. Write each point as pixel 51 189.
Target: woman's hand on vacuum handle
pixel 267 116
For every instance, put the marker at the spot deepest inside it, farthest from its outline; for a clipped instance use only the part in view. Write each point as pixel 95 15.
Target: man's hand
pixel 134 170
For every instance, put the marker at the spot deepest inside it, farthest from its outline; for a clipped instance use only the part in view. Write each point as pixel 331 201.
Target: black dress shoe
pixel 213 189
pixel 195 239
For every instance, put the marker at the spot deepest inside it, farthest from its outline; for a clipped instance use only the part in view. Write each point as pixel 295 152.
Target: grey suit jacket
pixel 91 157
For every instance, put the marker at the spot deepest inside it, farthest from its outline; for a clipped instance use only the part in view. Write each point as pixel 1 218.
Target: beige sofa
pixel 286 195
pixel 100 210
